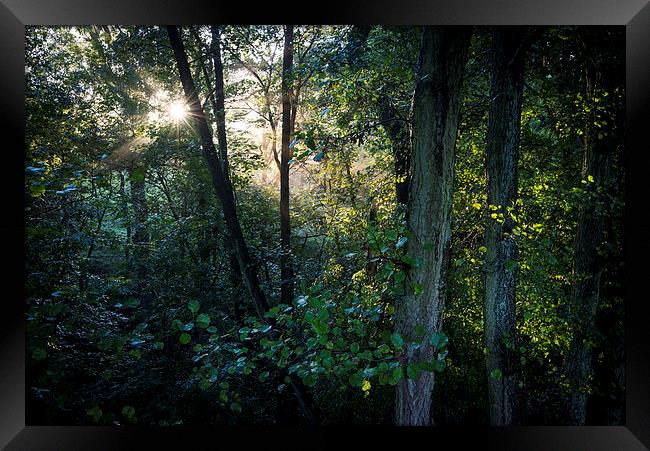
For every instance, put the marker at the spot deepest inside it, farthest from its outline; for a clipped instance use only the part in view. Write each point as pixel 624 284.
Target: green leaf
pixel 158 345
pixel 39 354
pixel 408 260
pixel 137 175
pixel 496 374
pixel 129 413
pixel 235 406
pixel 36 190
pixel 397 340
pixel 132 302
pixel 310 380
pixel 365 386
pixel 396 375
pixel 95 413
pixel 184 338
pixel 413 371
pixel 439 340
pixel 203 320
pixel 243 333
pixel 401 242
pixel 193 305
pixel 510 265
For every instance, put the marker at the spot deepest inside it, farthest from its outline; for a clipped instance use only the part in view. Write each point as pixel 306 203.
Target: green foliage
pixel 135 304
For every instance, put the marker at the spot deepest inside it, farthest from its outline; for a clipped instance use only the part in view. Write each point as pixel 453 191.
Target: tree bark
pixel 504 117
pixel 224 190
pixel 286 267
pixel 599 146
pixel 436 107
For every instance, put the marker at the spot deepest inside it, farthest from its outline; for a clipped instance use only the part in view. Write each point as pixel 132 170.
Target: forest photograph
pixel 324 225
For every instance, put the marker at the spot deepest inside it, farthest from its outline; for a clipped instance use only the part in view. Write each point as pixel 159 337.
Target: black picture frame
pixel 15 14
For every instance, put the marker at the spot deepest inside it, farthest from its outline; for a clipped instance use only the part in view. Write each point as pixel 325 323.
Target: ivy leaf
pixel 496 374
pixel 184 338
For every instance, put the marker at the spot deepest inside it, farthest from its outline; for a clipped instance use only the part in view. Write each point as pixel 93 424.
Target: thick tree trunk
pixel 500 272
pixel 436 106
pixel 286 268
pixel 599 146
pixel 224 190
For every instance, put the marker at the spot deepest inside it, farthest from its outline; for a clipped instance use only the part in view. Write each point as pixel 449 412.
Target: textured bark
pixel 286 268
pixel 224 191
pixel 502 360
pixel 599 146
pixel 436 106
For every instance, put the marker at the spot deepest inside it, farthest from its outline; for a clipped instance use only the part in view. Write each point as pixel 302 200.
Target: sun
pixel 177 111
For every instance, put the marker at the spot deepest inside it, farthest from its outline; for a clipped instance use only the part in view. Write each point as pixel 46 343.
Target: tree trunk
pixel 599 146
pixel 140 237
pixel 502 360
pixel 220 181
pixel 286 268
pixel 436 106
pixel 224 191
pixel 398 133
pixel 219 109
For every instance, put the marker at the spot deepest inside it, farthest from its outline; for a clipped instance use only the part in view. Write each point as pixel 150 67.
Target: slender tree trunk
pixel 224 191
pixel 398 133
pixel 140 236
pixel 397 130
pixel 500 261
pixel 436 107
pixel 219 109
pixel 599 146
pixel 286 267
pixel 220 181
